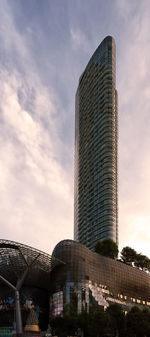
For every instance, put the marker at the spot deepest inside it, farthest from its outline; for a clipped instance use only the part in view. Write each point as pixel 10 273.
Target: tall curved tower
pixel 96 136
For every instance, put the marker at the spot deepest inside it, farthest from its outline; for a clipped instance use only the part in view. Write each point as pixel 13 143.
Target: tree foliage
pixel 128 255
pixel 131 257
pixel 100 323
pixel 142 262
pixel 117 318
pixel 138 322
pixel 107 247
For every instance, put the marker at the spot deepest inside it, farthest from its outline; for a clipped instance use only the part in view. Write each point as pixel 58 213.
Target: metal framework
pixel 20 263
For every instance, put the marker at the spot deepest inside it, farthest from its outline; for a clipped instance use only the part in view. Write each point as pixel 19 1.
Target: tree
pixel 138 322
pixel 131 257
pixel 107 247
pixel 146 321
pixel 128 255
pixel 64 326
pixel 84 323
pixel 142 262
pixel 99 323
pixel 117 319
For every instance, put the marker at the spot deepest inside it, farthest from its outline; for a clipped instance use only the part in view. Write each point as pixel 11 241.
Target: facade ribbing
pixel 96 135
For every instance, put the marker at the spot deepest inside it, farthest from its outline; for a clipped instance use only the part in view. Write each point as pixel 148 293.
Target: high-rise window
pixel 96 135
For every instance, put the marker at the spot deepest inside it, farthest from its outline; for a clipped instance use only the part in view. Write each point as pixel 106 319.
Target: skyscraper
pixel 96 135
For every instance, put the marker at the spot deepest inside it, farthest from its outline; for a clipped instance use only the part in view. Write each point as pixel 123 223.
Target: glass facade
pixel 72 280
pixel 30 297
pixel 88 280
pixel 96 135
pixel 14 258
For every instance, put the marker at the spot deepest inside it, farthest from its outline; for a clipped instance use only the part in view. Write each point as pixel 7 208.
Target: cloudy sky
pixel 44 47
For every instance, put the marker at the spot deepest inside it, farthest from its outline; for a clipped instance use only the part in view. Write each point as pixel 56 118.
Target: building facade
pixel 34 293
pixel 88 280
pixel 96 134
pixel 72 280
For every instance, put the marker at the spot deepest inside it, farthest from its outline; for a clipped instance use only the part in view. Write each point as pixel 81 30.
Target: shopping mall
pixel 72 278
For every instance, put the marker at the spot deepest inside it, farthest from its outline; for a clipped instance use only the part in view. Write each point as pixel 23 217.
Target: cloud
pixel 35 186
pixel 36 191
pixel 125 8
pixel 40 64
pixel 79 39
pixel 134 140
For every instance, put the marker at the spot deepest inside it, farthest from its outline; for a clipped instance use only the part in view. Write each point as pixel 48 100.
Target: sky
pixel 44 48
